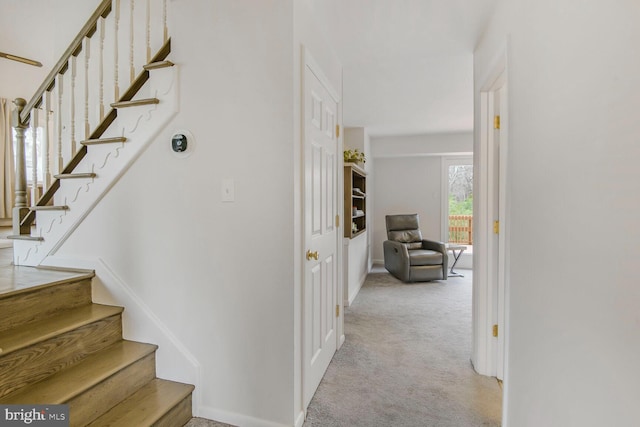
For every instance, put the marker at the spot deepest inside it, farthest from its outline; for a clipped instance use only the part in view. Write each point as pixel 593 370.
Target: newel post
pixel 20 209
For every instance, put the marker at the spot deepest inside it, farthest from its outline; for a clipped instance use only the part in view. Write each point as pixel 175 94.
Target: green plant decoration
pixel 354 156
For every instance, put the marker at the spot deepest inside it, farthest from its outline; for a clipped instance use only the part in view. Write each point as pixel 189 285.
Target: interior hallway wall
pixel 574 95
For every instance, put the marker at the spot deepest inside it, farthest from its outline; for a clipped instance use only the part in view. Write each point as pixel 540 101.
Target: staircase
pixel 87 130
pixel 57 347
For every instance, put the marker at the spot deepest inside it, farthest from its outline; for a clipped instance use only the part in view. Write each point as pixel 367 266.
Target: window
pixel 458 200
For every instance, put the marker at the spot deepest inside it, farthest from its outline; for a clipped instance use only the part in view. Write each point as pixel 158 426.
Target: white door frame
pixel 491 286
pixel 309 62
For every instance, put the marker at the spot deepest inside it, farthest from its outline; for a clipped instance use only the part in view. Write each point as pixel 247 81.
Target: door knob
pixel 312 255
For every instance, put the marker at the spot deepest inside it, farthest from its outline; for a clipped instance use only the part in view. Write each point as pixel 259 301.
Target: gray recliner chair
pixel 408 256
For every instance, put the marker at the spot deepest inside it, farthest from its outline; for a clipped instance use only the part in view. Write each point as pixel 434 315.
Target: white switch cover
pixel 228 190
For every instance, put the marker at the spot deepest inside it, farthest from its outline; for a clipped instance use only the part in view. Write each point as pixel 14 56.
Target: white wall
pixel 422 145
pixel 408 179
pixel 220 276
pixel 358 250
pixel 574 85
pixel 357 265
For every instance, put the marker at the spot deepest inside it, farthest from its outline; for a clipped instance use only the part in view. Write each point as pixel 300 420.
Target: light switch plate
pixel 228 190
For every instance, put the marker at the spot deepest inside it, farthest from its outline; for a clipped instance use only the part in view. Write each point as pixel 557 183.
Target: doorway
pixel 321 268
pixel 491 234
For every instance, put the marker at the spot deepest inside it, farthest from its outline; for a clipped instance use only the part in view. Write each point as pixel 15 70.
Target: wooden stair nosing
pixel 68 320
pixel 68 384
pixel 75 175
pixel 135 103
pixel 147 406
pixel 158 64
pixel 25 237
pixel 49 208
pixel 97 141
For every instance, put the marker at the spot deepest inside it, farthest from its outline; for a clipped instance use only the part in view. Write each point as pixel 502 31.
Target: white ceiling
pixel 408 64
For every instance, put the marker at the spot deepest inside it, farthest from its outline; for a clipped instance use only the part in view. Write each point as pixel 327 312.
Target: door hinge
pixel 496 122
pixel 337 310
pixel 337 131
pixel 496 227
pixel 337 220
pixel 495 330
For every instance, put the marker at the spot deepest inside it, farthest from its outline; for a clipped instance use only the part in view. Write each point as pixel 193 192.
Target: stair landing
pixel 17 278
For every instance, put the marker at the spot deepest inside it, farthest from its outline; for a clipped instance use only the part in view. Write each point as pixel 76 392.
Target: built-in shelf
pixel 355 197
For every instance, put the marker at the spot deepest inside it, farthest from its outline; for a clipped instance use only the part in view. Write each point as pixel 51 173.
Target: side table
pixel 457 251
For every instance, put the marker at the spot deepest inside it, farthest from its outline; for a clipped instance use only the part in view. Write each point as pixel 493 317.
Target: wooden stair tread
pixel 146 406
pixel 104 140
pixel 75 175
pixel 49 208
pixel 30 279
pixel 65 385
pixel 135 103
pixel 158 64
pixel 68 320
pixel 25 237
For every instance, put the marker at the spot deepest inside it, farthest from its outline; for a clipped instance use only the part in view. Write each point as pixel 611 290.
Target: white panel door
pixel 320 209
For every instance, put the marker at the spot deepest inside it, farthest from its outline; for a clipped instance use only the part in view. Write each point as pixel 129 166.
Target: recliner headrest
pixel 402 222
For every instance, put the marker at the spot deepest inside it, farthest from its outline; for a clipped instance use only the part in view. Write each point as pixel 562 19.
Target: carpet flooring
pixel 405 361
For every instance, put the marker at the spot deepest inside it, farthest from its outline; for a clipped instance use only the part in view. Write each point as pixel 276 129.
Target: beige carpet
pixel 405 361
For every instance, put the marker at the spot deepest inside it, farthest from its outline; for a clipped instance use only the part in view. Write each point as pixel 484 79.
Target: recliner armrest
pixel 434 246
pixel 396 259
pixel 438 247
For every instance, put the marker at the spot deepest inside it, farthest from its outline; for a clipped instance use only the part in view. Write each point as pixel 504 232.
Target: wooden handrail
pixel 74 49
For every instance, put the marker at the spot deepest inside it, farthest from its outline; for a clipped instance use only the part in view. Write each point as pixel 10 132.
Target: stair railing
pixel 72 103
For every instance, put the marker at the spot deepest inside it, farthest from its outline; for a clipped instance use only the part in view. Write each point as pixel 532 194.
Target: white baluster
pixel 101 72
pixel 34 156
pixel 46 169
pixel 115 50
pixel 73 104
pixel 148 41
pixel 60 93
pixel 164 21
pixel 87 54
pixel 131 42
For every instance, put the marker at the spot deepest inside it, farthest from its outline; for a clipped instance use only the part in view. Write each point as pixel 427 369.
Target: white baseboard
pixel 353 296
pixel 239 419
pixel 300 419
pixel 174 361
pixel 377 261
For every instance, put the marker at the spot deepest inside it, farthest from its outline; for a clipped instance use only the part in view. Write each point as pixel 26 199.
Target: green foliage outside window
pixel 463 207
